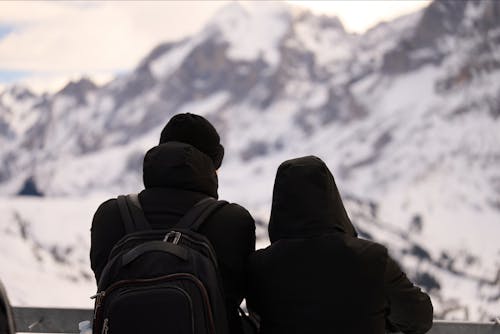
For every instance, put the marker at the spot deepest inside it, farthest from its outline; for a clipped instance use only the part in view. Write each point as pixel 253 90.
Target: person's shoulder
pixel 107 211
pixel 232 227
pixel 367 248
pixel 258 258
pixel 109 203
pixel 232 220
pixel 106 206
pixel 236 213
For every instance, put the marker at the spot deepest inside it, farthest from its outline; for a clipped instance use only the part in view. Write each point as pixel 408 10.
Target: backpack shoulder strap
pixel 197 215
pixel 138 216
pixel 132 214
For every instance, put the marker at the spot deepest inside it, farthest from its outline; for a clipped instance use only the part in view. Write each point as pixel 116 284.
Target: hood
pixel 306 201
pixel 180 166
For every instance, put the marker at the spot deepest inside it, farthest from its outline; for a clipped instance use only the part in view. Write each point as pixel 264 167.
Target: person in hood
pixel 178 173
pixel 317 276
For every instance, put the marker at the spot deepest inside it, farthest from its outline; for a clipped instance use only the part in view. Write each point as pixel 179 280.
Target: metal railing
pixel 49 320
pixel 59 320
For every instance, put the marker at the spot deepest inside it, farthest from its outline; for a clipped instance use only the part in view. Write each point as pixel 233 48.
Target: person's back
pixel 316 276
pixel 177 176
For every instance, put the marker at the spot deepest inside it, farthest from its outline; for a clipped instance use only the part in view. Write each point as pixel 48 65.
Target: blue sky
pixel 5 75
pixel 8 77
pixel 44 44
pixel 5 30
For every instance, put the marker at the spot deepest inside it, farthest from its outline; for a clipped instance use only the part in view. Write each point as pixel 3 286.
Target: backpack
pixel 6 316
pixel 161 281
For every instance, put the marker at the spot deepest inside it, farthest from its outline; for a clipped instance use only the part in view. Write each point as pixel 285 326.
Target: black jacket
pixel 317 276
pixel 176 176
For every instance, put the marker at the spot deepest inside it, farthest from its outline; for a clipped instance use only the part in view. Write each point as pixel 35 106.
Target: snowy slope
pixel 45 245
pixel 405 115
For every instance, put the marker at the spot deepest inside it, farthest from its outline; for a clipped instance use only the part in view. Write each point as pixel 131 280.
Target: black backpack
pixel 6 316
pixel 161 281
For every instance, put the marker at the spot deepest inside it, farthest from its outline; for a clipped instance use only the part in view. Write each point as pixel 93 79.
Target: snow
pixel 206 106
pixel 397 95
pixel 106 104
pixel 18 113
pixel 89 174
pixel 30 271
pixel 329 45
pixel 473 12
pixel 253 32
pixel 164 66
pixel 317 98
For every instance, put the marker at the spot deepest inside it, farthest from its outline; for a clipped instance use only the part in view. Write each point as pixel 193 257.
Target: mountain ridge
pixel 406 120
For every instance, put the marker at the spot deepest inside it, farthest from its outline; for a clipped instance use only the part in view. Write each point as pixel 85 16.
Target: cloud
pixel 49 40
pixel 95 36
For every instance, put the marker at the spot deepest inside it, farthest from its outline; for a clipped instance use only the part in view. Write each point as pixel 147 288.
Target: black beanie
pixel 196 131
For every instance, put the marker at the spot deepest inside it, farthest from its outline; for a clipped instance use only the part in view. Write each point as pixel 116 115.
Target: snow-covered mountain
pixel 406 115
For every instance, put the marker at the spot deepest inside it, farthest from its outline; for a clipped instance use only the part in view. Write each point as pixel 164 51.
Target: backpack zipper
pixel 105 327
pixel 143 235
pixel 98 301
pixel 209 249
pixel 154 236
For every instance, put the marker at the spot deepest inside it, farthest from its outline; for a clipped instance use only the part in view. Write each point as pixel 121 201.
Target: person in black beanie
pixel 197 131
pixel 178 173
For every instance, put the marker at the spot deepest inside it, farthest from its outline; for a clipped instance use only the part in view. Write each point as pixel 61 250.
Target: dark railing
pixel 57 320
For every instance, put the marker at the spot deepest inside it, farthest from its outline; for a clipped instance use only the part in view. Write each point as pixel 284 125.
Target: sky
pixel 45 44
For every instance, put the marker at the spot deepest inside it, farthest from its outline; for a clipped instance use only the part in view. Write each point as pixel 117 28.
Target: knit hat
pixel 196 131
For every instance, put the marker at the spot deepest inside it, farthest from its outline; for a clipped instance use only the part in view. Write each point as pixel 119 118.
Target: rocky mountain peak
pixel 78 90
pixel 443 27
pixel 252 31
pixel 439 19
pixel 323 22
pixel 18 92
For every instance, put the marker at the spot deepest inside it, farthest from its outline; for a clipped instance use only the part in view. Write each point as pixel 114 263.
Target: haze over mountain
pixel 406 116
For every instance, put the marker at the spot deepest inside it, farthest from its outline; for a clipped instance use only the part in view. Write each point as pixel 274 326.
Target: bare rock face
pixel 78 90
pixel 442 20
pixel 30 188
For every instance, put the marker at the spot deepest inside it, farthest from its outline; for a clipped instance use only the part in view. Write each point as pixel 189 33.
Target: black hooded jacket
pixel 317 276
pixel 177 176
